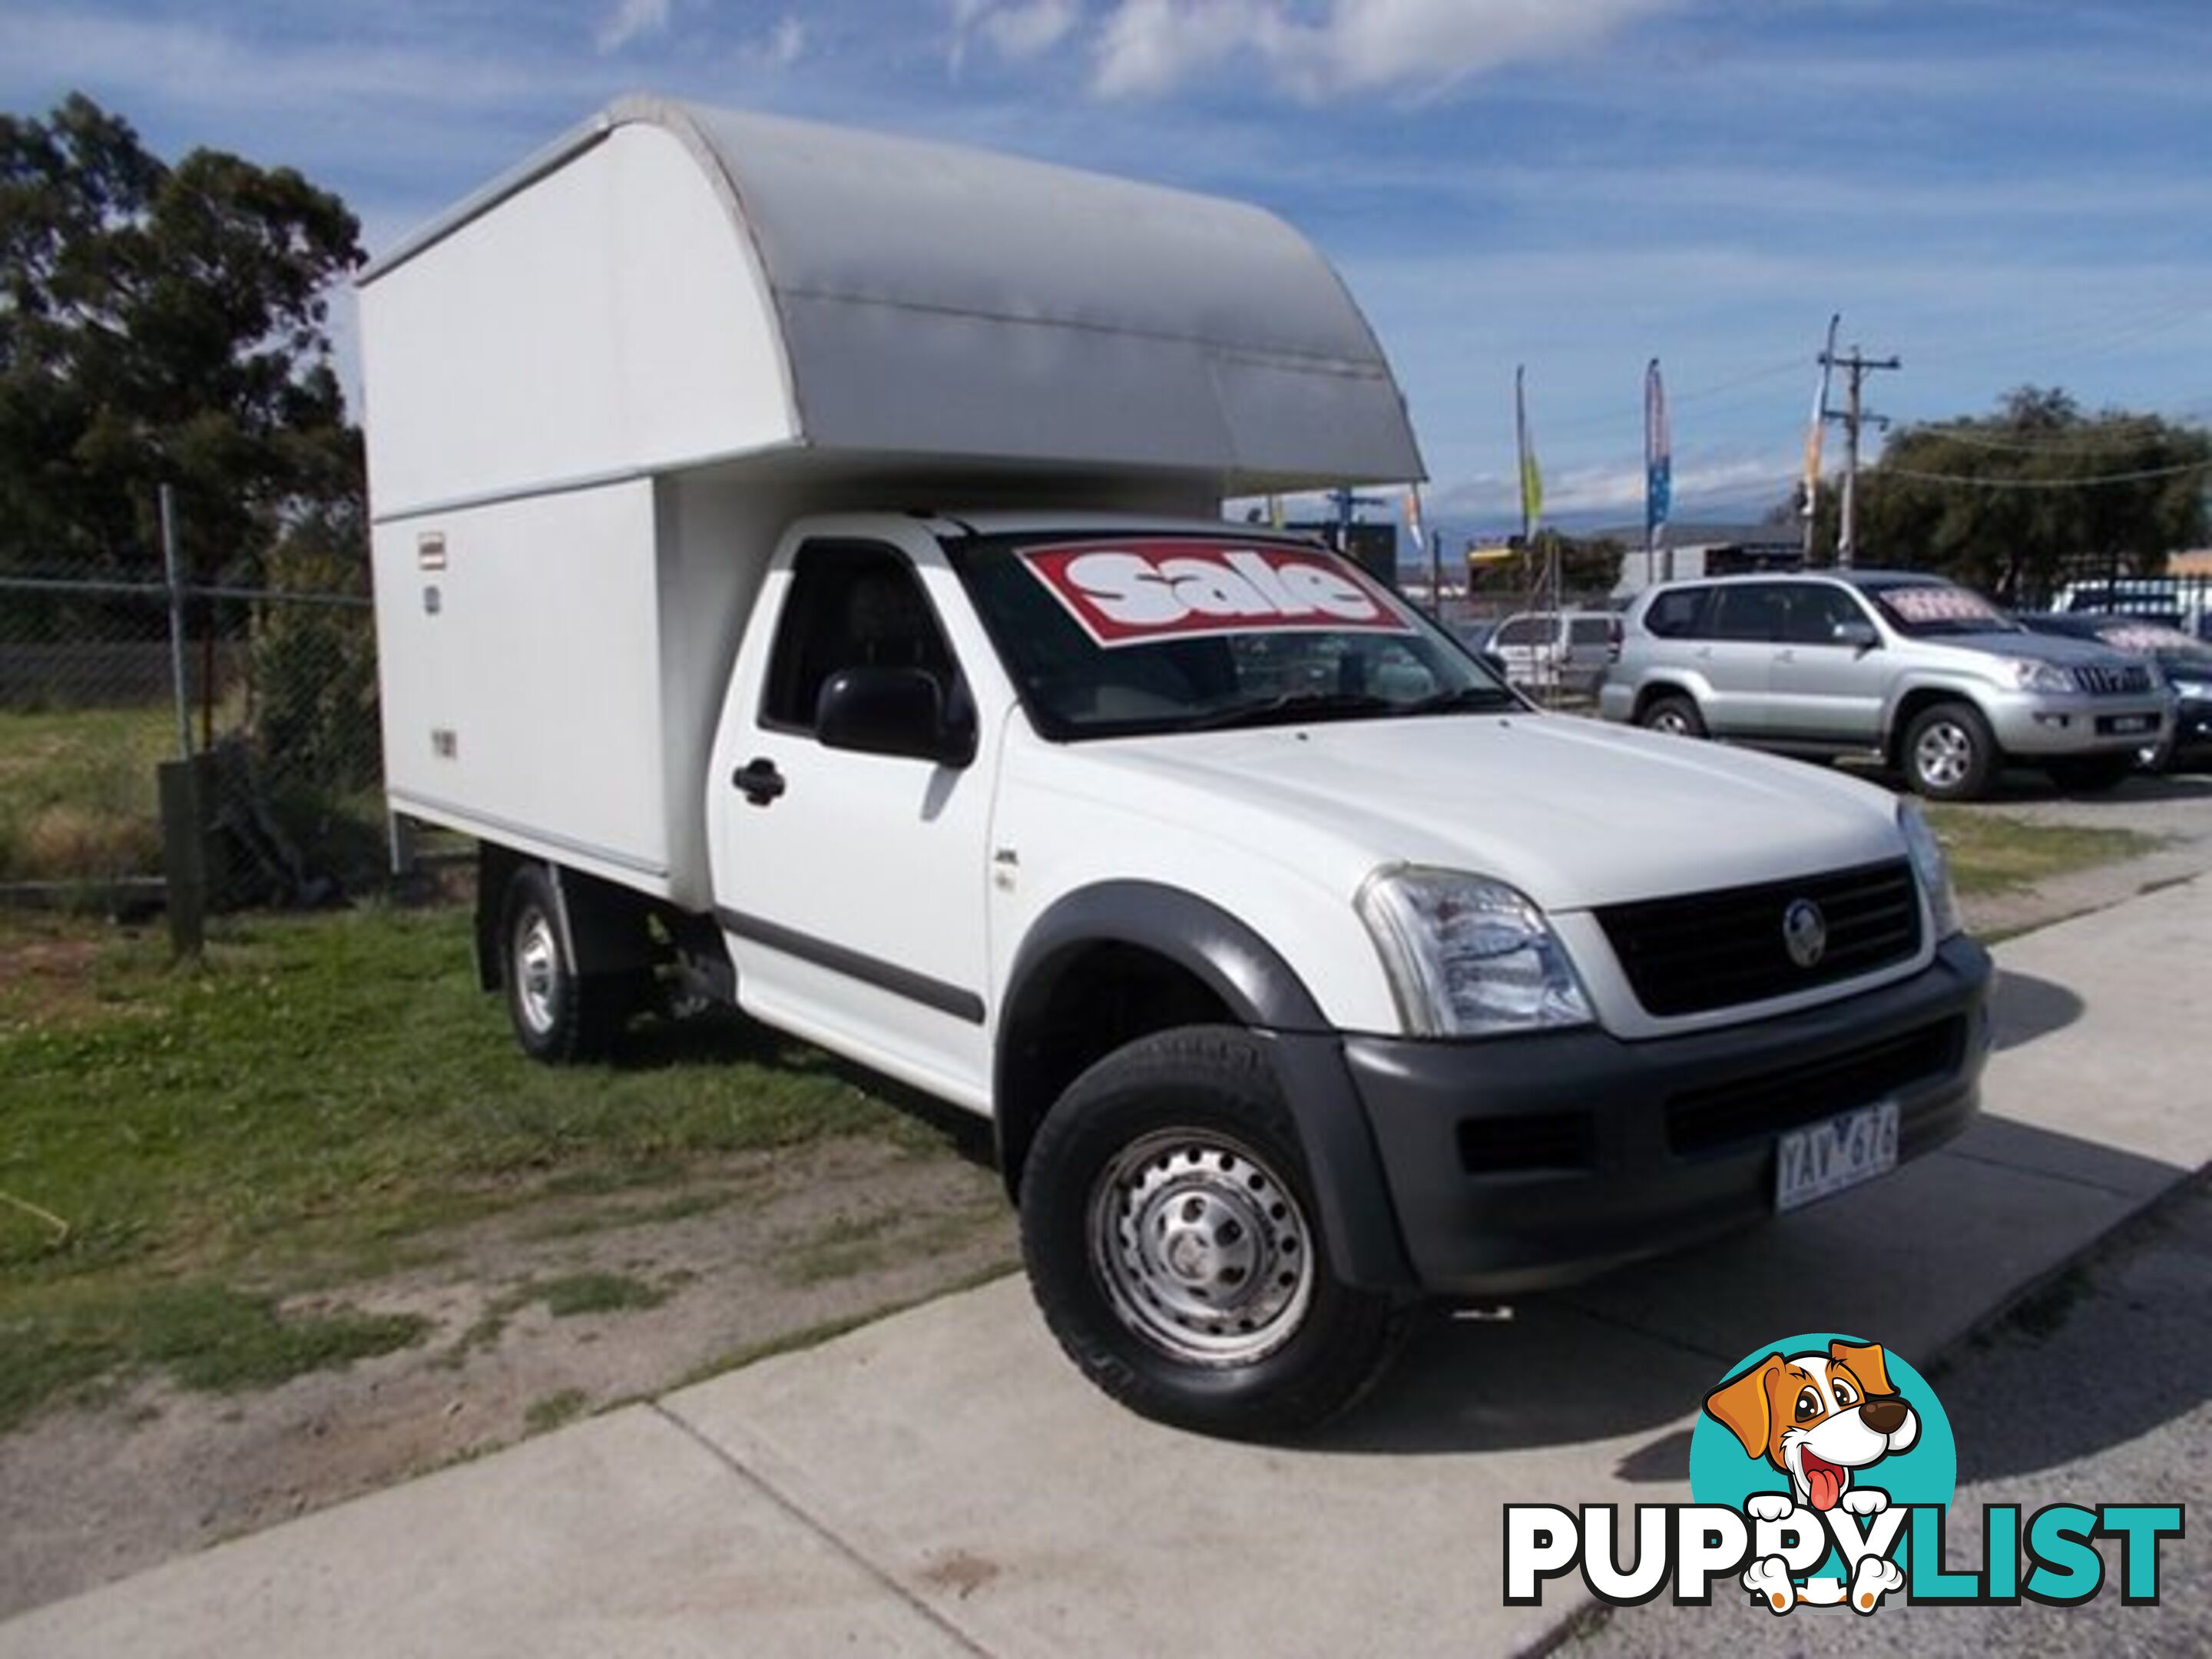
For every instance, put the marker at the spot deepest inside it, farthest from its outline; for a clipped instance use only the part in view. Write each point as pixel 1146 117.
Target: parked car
pixel 2185 663
pixel 1928 674
pixel 1569 649
pixel 2160 599
pixel 1474 634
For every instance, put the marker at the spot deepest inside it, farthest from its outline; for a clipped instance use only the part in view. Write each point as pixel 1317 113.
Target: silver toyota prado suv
pixel 1928 674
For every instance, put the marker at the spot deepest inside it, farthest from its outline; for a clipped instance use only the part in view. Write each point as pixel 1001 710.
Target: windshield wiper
pixel 1468 699
pixel 1292 706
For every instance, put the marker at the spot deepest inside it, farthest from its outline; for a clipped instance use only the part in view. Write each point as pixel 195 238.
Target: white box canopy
pixel 670 286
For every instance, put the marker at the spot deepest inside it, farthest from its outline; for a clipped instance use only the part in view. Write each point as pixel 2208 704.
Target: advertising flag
pixel 1532 480
pixel 1658 456
pixel 1819 424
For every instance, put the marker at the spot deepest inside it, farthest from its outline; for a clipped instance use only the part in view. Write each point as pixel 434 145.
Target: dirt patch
pixel 46 976
pixel 536 1317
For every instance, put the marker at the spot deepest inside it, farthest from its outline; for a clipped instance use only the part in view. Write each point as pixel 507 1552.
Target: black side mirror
pixel 892 711
pixel 1859 635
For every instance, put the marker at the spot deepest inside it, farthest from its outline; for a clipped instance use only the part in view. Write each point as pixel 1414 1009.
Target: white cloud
pixel 782 46
pixel 1017 30
pixel 1031 28
pixel 628 21
pixel 1605 491
pixel 1145 48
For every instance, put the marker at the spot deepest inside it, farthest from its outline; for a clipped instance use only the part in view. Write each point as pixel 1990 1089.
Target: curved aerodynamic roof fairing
pixel 671 285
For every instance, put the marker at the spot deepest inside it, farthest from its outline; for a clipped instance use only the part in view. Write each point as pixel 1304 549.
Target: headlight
pixel 1466 956
pixel 2029 675
pixel 1934 871
pixel 2193 690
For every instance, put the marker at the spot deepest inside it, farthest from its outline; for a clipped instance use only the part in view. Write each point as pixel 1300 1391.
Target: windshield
pixel 1111 636
pixel 2150 640
pixel 1931 610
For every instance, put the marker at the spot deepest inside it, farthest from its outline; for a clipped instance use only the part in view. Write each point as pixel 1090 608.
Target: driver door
pixel 852 885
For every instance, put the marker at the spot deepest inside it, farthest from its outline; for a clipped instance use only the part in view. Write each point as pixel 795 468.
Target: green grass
pixel 1991 853
pixel 550 1412
pixel 315 1101
pixel 206 1335
pixel 595 1292
pixel 77 797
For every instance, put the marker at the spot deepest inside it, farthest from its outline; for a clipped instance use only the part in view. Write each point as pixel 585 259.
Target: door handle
pixel 759 780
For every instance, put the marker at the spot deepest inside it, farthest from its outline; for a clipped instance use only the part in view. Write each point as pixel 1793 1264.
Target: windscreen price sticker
pixel 1136 593
pixel 1937 605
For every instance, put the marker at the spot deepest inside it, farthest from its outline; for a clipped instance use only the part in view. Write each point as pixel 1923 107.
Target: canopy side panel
pixel 607 318
pixel 944 300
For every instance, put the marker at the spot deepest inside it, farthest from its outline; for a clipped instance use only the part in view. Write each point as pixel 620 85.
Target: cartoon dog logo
pixel 1820 1418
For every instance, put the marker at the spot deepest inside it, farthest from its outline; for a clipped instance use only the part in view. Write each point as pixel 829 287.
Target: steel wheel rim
pixel 537 963
pixel 1203 1251
pixel 1670 722
pixel 1943 754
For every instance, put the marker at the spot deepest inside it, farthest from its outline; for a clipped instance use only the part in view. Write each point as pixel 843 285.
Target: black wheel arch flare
pixel 1262 991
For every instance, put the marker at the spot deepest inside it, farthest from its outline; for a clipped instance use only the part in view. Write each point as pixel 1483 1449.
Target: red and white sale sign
pixel 1133 592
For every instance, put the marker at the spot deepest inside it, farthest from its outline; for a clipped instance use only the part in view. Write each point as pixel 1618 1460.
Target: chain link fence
pixel 268 683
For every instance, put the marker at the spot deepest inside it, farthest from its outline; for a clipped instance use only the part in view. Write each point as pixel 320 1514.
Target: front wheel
pixel 1173 1244
pixel 1949 754
pixel 1675 714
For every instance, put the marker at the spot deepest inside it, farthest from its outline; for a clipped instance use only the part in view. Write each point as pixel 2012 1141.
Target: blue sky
pixel 1998 192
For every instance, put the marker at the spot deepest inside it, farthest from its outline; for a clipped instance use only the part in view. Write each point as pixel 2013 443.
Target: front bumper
pixel 2056 727
pixel 1532 1162
pixel 2190 745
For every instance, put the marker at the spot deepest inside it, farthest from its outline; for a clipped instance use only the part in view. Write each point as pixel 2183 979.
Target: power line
pixel 2147 473
pixel 2010 446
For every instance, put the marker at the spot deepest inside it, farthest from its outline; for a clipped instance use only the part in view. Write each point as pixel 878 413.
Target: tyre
pixel 1949 753
pixel 560 1015
pixel 1675 714
pixel 2091 774
pixel 1173 1245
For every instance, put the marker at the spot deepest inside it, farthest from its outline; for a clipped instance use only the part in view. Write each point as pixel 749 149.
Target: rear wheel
pixel 560 1014
pixel 1675 714
pixel 1949 754
pixel 2091 774
pixel 1173 1244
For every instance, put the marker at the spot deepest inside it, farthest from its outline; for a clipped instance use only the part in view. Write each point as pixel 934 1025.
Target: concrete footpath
pixel 942 1482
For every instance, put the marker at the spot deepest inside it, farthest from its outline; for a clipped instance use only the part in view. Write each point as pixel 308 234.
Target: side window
pixel 851 605
pixel 1590 630
pixel 1752 612
pixel 1681 613
pixel 1814 610
pixel 1522 631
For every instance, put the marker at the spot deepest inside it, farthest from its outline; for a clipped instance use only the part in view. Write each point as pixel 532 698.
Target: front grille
pixel 2132 680
pixel 1686 956
pixel 1749 1108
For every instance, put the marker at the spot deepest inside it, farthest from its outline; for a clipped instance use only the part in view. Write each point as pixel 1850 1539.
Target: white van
pixel 1567 650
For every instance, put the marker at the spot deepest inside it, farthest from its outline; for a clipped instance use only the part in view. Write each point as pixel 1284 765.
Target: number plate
pixel 2126 723
pixel 1825 1158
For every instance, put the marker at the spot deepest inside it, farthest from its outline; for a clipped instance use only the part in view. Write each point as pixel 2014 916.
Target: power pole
pixel 1857 365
